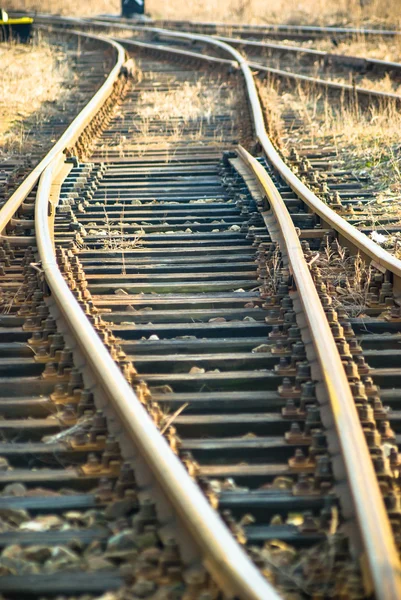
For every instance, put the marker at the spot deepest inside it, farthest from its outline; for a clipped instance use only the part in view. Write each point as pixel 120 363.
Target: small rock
pixel 154 338
pixel 14 489
pixel 37 553
pixel 43 523
pixel 262 348
pixel 130 308
pixel 148 539
pixel 249 319
pixel 75 517
pixel 14 566
pixel 240 290
pixel 14 516
pixel 4 464
pixel 13 551
pixel 124 540
pixel 235 228
pixel 196 370
pixel 65 553
pixel 62 564
pixel 120 508
pixel 98 563
pixel 161 389
pixel 120 291
pixel 217 320
pixel 143 588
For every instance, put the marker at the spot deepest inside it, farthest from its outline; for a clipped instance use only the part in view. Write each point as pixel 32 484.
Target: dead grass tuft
pixel 348 278
pixel 327 12
pixel 32 79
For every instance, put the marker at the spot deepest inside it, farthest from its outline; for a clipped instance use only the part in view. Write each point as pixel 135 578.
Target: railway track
pixel 296 32
pixel 297 66
pixel 179 251
pixel 351 195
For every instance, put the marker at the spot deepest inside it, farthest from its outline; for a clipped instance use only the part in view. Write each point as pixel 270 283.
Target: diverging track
pixel 181 287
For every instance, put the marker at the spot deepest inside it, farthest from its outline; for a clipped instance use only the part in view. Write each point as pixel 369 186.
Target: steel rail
pixel 283 28
pixel 247 27
pixel 70 135
pixel 222 555
pixel 341 87
pixel 375 528
pixel 358 240
pixel 327 56
pixel 178 52
pixel 380 552
pixel 377 538
pixel 384 97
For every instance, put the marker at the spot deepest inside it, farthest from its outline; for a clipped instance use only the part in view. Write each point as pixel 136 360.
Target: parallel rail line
pixel 298 32
pixel 250 223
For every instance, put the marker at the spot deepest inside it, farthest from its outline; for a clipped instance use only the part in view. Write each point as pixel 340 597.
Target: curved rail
pixel 363 244
pixel 290 29
pixel 384 66
pixel 322 54
pixel 370 94
pixel 223 557
pixel 381 554
pixel 376 532
pixel 374 524
pixel 71 134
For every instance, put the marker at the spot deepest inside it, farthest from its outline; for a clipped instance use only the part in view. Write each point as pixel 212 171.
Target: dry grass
pixel 239 11
pixel 358 45
pixel 189 102
pixel 281 11
pixel 348 278
pixel 368 142
pixel 32 80
pixel 181 113
pixel 89 7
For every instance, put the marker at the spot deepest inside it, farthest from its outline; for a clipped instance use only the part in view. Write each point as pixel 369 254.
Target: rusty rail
pixel 231 568
pixel 375 529
pixel 70 135
pixel 379 551
pixel 358 240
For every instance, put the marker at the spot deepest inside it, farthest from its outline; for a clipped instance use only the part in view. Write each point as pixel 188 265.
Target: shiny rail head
pixel 228 564
pixel 364 492
pixel 387 571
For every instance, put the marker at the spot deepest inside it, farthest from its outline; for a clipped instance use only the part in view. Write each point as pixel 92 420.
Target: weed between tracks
pixel 348 278
pixel 200 111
